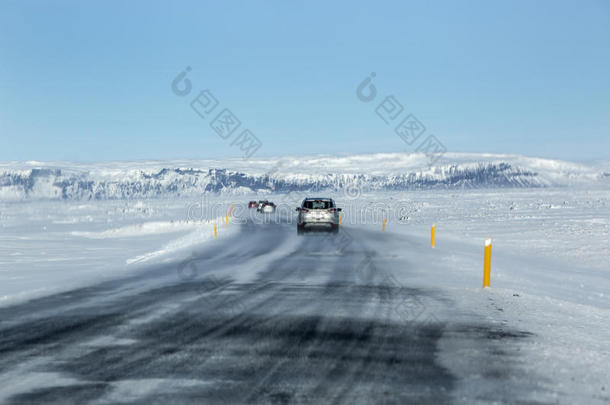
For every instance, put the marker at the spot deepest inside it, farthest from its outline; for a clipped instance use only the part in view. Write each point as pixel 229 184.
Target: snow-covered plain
pixel 550 260
pixel 52 246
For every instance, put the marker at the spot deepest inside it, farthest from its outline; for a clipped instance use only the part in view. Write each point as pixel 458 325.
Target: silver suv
pixel 319 214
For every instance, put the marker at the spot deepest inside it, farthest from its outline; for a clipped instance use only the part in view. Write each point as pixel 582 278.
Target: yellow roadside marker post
pixel 226 218
pixel 487 263
pixel 432 242
pixel 215 230
pixel 340 219
pixel 383 225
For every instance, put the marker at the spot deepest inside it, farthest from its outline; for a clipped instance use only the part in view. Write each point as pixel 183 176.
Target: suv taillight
pixel 332 210
pixel 304 210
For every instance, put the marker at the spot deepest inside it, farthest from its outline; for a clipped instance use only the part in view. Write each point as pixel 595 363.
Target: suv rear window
pixel 317 204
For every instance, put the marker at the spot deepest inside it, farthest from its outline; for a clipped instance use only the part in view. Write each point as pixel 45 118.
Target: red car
pixel 252 204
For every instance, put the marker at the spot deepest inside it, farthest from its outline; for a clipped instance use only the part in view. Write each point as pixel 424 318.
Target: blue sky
pixel 91 81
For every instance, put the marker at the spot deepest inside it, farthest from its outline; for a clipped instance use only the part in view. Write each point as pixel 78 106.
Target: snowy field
pixel 550 264
pixel 117 270
pixel 77 242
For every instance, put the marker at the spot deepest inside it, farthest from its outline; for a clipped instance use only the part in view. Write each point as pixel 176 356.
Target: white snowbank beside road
pixel 200 232
pixel 53 246
pixel 145 228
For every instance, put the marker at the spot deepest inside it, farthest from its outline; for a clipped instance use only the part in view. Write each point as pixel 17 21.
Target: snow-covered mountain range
pixel 367 172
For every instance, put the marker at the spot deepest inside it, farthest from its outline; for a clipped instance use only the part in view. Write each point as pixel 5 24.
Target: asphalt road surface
pixel 321 321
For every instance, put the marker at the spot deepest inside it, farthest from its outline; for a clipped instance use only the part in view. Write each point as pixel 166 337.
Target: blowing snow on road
pixel 263 315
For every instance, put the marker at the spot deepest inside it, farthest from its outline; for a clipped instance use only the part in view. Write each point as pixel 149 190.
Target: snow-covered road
pixel 320 320
pixel 135 301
